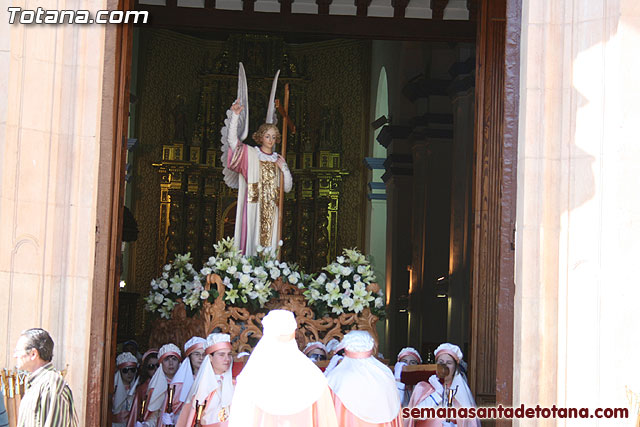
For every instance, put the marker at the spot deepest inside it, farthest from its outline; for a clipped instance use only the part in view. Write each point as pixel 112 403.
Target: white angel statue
pixel 254 171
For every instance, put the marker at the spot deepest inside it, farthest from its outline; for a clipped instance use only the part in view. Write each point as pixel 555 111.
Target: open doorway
pixel 397 329
pixel 175 187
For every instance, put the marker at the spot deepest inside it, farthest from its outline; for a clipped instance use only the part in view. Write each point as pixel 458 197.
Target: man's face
pixel 221 361
pixel 25 359
pixel 196 359
pixel 170 365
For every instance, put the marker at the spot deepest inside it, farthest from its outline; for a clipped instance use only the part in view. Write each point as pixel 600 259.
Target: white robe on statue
pixel 258 192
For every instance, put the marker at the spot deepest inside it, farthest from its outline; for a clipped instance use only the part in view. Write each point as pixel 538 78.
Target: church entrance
pixel 399 151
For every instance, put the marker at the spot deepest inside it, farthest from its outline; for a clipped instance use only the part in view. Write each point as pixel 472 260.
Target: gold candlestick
pixel 171 390
pixel 199 411
pixel 143 406
pixel 450 394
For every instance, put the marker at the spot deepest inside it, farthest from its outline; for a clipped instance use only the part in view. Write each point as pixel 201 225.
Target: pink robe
pixel 123 416
pixel 319 414
pixel 177 406
pixel 347 418
pixel 188 415
pixel 135 406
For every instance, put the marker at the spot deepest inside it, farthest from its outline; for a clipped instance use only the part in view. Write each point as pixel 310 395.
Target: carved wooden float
pixel 245 327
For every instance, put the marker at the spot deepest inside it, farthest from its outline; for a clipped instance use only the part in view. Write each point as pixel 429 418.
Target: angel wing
pixel 231 177
pixel 272 117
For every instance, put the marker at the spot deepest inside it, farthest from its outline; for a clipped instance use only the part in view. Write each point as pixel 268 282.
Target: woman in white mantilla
pixel 254 171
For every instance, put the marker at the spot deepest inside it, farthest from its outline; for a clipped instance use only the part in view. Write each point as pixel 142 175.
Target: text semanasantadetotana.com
pixel 43 16
pixel 501 412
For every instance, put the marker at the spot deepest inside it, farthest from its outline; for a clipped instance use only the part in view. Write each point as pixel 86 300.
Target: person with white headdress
pixel 279 385
pixel 213 387
pixel 125 382
pixel 407 356
pixel 331 346
pixel 364 389
pixel 338 355
pixel 316 351
pixel 155 414
pixel 183 379
pixel 430 394
pixel 147 369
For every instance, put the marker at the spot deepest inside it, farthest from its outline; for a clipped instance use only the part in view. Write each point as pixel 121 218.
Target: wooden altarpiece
pixel 197 208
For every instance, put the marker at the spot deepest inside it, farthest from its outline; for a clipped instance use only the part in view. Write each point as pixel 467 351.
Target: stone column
pixel 462 100
pixel 431 212
pixel 419 295
pixel 56 108
pixel 578 210
pixel 398 180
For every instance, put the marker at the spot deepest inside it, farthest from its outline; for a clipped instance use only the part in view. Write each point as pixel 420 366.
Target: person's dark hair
pixel 130 343
pixel 40 340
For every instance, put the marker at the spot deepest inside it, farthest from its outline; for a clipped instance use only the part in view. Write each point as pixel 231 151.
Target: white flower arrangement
pixel 179 282
pixel 248 280
pixel 345 286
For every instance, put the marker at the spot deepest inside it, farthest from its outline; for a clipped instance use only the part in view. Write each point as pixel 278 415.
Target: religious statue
pixel 256 171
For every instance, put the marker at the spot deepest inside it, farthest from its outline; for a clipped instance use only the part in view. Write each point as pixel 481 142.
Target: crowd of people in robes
pixel 280 384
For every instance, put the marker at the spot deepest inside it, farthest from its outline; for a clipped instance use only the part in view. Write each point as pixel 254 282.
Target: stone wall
pixel 578 210
pixel 55 95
